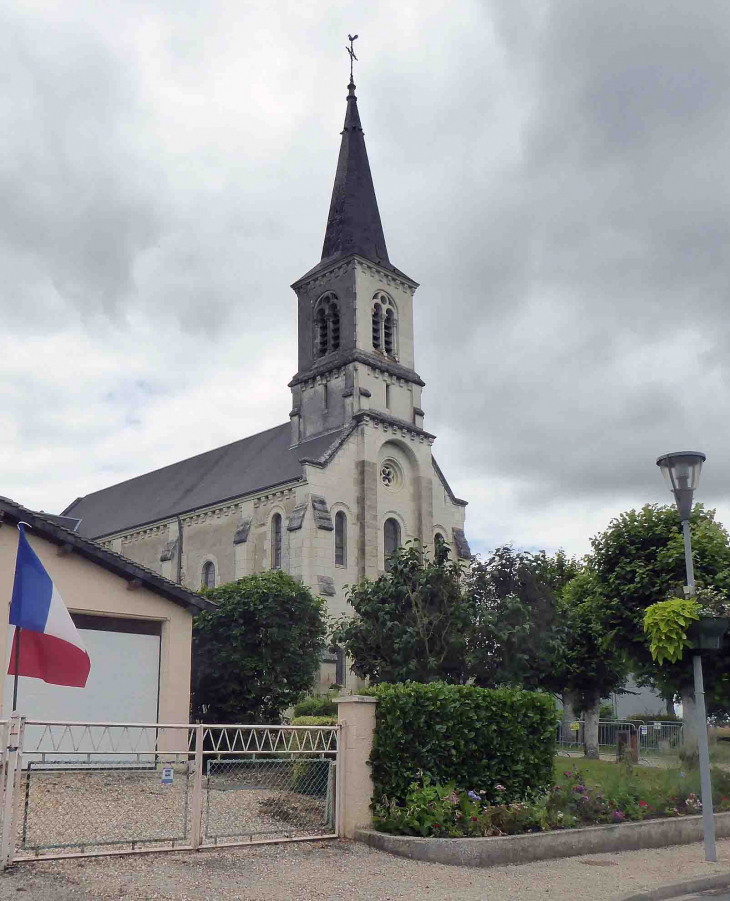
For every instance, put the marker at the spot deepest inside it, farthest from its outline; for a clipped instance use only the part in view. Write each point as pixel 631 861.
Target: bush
pixel 647 717
pixel 605 713
pixel 445 811
pixel 258 650
pixel 314 721
pixel 316 705
pixel 309 776
pixel 475 738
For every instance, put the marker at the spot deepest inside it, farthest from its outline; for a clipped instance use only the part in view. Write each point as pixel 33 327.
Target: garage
pixel 123 652
pixel 135 624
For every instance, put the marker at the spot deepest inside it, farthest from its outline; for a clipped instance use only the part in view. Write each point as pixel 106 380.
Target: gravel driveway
pixel 350 871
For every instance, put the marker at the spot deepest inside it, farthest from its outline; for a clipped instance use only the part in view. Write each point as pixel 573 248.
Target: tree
pixel 258 651
pixel 639 560
pixel 411 623
pixel 589 670
pixel 517 633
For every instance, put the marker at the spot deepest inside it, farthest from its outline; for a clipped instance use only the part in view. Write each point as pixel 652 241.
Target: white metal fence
pixel 85 789
pixel 643 738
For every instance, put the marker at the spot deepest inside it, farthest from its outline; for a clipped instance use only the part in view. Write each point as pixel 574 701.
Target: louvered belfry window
pixel 385 325
pixel 377 311
pixel 326 326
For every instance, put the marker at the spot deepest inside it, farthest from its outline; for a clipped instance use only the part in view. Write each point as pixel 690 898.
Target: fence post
pixel 11 780
pixel 356 715
pixel 196 811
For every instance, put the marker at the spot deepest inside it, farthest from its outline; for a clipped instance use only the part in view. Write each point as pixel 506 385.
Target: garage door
pixel 123 685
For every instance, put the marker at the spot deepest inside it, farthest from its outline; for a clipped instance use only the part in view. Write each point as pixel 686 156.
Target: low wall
pixel 507 849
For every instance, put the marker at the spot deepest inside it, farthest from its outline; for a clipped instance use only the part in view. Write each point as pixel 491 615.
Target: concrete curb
pixel 516 849
pixel 676 889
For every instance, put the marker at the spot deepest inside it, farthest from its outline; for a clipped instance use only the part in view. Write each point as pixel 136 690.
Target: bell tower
pixel 355 311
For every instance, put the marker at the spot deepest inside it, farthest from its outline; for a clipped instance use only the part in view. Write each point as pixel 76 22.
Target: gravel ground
pixel 313 871
pixel 91 807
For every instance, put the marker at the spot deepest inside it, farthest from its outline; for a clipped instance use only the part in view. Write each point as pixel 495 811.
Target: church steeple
pixel 353 224
pixel 356 349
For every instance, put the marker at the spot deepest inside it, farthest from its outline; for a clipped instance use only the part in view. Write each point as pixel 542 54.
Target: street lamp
pixel 681 471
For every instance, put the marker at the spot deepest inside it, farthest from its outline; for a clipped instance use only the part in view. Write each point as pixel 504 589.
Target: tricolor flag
pixel 50 646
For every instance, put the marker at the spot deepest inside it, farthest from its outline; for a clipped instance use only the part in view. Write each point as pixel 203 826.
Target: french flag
pixel 50 646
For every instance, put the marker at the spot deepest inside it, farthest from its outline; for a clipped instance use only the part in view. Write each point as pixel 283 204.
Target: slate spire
pixel 353 224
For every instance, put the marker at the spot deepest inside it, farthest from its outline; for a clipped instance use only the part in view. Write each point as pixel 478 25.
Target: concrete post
pixel 356 715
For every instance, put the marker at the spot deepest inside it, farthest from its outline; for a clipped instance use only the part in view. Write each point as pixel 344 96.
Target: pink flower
pixel 499 788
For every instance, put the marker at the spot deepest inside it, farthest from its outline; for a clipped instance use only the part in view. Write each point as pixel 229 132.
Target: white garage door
pixel 123 685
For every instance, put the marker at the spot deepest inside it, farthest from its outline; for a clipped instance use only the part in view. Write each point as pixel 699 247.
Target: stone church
pixel 328 495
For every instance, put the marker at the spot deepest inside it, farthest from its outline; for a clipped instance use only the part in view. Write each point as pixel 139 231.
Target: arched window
pixel 208 574
pixel 340 539
pixel 438 538
pixel 377 309
pixel 385 336
pixel 276 541
pixel 391 540
pixel 326 326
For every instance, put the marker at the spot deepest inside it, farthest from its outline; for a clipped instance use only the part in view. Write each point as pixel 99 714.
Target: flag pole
pixel 18 631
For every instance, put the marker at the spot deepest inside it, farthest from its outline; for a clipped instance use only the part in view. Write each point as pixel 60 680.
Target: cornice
pixel 324 272
pixel 355 355
pixel 392 423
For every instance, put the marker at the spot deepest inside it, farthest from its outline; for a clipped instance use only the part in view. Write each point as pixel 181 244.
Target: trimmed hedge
pixel 314 721
pixel 316 705
pixel 477 738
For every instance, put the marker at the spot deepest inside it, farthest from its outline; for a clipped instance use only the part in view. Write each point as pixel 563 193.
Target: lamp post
pixel 681 471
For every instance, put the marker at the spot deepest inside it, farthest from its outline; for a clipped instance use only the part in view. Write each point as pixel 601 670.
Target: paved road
pixel 721 894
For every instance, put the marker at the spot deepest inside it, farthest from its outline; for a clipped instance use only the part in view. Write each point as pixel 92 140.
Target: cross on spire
pixel 352 38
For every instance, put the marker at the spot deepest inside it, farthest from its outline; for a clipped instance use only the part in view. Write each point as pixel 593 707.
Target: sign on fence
pixel 168 774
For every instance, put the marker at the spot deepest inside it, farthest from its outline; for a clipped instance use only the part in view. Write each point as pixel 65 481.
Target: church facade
pixel 329 494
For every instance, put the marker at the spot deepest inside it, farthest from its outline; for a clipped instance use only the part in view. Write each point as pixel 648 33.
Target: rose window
pixel 391 475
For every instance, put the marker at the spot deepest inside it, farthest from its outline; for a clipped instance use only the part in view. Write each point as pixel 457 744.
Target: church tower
pixel 355 311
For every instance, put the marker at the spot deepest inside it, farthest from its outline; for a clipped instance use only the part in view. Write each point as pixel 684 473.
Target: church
pixel 328 495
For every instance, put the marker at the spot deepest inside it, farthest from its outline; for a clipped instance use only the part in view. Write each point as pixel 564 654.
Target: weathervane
pixel 352 38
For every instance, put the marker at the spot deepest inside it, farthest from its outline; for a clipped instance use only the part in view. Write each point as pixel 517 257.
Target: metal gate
pixel 86 789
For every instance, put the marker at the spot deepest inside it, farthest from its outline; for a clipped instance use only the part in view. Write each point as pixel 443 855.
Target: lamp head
pixel 681 471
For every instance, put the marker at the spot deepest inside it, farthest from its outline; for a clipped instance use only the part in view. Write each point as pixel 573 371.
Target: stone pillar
pixel 356 715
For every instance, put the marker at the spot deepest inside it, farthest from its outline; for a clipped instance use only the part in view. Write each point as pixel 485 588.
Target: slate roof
pixel 46 526
pixel 353 223
pixel 251 464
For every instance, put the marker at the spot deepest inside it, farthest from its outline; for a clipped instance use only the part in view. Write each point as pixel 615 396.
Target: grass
pixel 659 785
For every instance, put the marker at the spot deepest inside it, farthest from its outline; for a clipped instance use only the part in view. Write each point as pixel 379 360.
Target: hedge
pixel 316 705
pixel 309 777
pixel 314 721
pixel 477 738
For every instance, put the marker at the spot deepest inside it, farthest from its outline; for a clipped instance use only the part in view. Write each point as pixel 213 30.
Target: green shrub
pixel 316 705
pixel 605 712
pixel 314 721
pixel 309 776
pixel 475 738
pixel 647 717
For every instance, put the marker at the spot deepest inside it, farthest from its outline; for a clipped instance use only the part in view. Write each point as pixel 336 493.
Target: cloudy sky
pixel 553 172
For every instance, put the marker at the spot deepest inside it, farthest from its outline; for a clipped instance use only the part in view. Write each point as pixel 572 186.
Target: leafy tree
pixel 258 651
pixel 588 670
pixel 518 631
pixel 639 560
pixel 411 624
